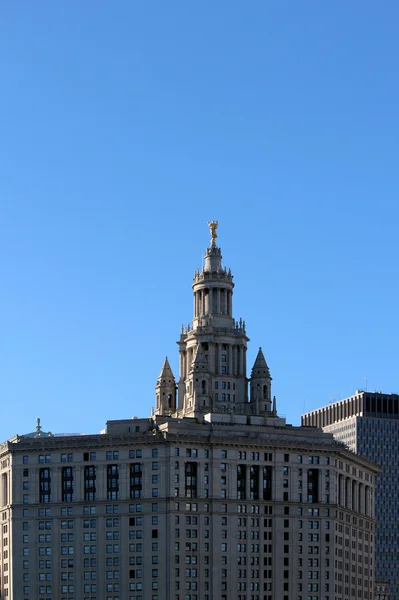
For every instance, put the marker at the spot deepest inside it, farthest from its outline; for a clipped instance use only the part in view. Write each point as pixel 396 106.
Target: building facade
pixel 368 423
pixel 212 497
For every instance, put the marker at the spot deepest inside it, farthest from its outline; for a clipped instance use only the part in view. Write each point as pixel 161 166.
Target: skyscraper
pixel 368 423
pixel 212 497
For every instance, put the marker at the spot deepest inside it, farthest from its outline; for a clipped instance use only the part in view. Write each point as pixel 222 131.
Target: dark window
pixel 241 481
pixel 45 485
pixel 113 482
pixel 254 482
pixel 90 483
pixel 313 485
pixel 267 483
pixel 136 480
pixel 67 484
pixel 190 479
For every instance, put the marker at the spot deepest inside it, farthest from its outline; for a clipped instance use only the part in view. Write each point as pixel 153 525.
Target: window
pixel 67 484
pixel 90 483
pixel 112 455
pixel 136 480
pixel 190 479
pixel 44 486
pixel 44 458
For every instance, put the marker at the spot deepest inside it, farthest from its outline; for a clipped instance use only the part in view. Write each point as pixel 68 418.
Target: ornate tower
pixel 213 348
pixel 165 391
pixel 213 356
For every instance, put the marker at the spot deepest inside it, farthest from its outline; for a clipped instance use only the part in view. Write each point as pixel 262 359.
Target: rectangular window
pixel 112 455
pixel 254 482
pixel 136 480
pixel 241 482
pixel 90 483
pixel 113 482
pixel 45 486
pixel 67 484
pixel 267 483
pixel 190 479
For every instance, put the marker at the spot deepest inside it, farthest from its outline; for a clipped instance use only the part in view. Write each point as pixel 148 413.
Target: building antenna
pixel 366 384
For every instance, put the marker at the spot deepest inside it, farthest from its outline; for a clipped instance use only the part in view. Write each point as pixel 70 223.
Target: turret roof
pixel 260 364
pixel 200 361
pixel 166 371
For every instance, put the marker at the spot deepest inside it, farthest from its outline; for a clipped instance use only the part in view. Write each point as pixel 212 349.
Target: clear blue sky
pixel 124 127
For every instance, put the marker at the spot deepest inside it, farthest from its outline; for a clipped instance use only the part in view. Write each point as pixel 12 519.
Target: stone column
pixel 188 352
pixel 247 482
pixel 124 489
pixel 181 365
pixel 78 484
pixel 56 492
pixel 211 357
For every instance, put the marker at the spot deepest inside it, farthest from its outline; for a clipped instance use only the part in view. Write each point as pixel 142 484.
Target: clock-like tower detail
pixel 213 348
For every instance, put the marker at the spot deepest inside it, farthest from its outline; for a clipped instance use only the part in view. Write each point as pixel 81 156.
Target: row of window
pixel 189 452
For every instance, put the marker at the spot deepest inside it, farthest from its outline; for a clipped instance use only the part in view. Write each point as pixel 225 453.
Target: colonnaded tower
pixel 213 353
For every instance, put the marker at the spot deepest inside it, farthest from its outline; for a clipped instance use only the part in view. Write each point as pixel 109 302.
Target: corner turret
pixel 165 391
pixel 260 386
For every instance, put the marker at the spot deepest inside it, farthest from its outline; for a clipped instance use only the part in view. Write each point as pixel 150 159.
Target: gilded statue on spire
pixel 213 225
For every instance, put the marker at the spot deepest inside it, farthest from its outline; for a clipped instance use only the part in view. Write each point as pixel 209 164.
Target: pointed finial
pixel 38 426
pixel 213 225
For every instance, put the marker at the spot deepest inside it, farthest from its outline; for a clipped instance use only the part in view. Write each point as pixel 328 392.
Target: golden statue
pixel 213 225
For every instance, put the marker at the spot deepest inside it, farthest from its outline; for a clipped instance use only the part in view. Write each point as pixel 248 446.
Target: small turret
pixel 260 386
pixel 165 391
pixel 199 383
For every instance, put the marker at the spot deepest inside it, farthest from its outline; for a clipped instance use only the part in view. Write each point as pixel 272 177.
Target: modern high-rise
pixel 212 497
pixel 368 423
